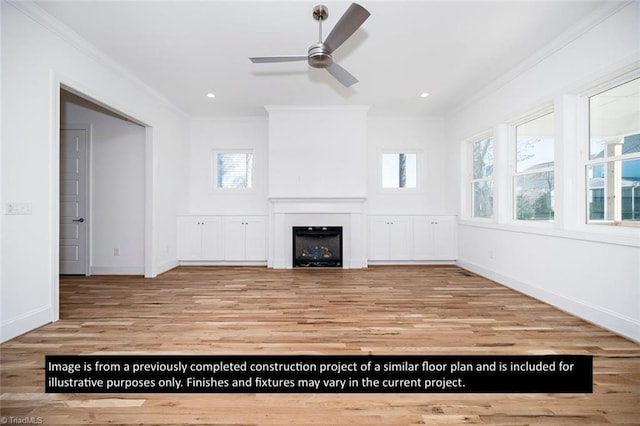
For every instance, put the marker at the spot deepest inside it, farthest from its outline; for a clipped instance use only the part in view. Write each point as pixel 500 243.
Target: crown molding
pixel 51 24
pixel 569 36
pixel 271 108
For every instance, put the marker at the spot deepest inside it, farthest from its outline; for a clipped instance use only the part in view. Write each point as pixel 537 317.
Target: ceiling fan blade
pixel 342 75
pixel 352 19
pixel 267 59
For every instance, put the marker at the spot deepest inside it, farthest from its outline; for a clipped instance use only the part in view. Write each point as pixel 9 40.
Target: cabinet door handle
pixel 78 220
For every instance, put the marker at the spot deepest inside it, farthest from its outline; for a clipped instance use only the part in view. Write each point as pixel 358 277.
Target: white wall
pixel 37 56
pixel 117 156
pixel 591 271
pixel 317 152
pixel 208 135
pixel 423 135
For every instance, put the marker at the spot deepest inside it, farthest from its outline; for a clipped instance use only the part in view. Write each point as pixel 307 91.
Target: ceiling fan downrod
pixel 319 57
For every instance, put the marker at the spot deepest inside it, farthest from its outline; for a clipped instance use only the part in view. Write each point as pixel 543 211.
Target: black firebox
pixel 317 246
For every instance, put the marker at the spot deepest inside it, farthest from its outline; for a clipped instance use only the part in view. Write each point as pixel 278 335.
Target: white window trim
pixel 214 170
pixel 586 161
pixel 419 170
pixel 512 164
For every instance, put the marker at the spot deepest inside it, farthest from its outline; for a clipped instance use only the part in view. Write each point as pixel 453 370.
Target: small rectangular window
pixel 534 178
pixel 233 169
pixel 482 181
pixel 399 170
pixel 613 168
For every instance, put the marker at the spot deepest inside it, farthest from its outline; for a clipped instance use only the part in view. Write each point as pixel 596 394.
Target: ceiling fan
pixel 319 55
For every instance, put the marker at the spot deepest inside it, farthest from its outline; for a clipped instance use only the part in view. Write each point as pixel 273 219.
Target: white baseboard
pixel 117 270
pixel 411 262
pixel 602 317
pixel 221 263
pixel 357 264
pixel 26 322
pixel 164 267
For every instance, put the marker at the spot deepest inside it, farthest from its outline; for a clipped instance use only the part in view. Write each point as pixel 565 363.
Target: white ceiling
pixel 451 49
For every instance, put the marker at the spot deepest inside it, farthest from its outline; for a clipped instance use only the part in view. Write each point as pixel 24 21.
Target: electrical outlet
pixel 18 208
pixel 491 254
pixel 116 251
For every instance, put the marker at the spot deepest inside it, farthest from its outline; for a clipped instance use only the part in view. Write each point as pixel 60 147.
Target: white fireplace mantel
pixel 348 212
pixel 317 205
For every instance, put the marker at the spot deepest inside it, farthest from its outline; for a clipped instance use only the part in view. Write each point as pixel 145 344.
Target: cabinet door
pixel 400 238
pixel 234 241
pixel 444 237
pixel 190 239
pixel 211 230
pixel 423 248
pixel 255 238
pixel 434 238
pixel 378 238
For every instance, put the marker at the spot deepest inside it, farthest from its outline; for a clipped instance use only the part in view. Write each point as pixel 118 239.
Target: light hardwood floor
pixel 416 310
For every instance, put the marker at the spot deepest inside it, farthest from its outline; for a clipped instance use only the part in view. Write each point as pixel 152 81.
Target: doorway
pixel 102 190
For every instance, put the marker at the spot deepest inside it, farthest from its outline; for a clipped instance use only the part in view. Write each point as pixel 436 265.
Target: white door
pixel 423 246
pixel 379 238
pixel 234 238
pixel 212 233
pixel 255 239
pixel 444 237
pixel 73 202
pixel 400 238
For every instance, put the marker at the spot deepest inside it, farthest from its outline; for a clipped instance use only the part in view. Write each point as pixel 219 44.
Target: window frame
pixel 214 170
pixel 513 163
pixel 473 180
pixel 586 142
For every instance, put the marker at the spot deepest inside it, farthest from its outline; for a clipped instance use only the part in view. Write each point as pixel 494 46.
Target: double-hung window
pixel 482 179
pixel 613 167
pixel 533 179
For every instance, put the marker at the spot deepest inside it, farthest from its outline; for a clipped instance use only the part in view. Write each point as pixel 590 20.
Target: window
pixel 399 170
pixel 533 179
pixel 482 181
pixel 613 168
pixel 233 169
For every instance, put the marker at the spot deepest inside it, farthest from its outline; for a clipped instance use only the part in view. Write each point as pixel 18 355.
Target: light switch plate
pixel 18 208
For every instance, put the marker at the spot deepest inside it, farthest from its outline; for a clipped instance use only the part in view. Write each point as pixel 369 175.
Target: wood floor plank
pixel 382 310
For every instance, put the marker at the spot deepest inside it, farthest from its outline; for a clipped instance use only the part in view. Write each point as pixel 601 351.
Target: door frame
pixel 88 195
pixel 58 83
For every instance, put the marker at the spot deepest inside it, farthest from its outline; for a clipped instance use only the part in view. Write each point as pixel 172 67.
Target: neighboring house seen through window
pixel 533 180
pixel 613 168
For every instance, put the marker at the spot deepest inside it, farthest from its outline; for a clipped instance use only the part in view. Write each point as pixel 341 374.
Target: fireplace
pixel 317 246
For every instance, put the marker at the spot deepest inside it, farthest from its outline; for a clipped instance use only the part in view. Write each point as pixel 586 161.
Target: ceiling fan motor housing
pixel 319 57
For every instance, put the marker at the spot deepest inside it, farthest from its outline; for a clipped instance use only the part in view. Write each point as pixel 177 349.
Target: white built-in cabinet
pixel 200 238
pixel 390 238
pixel 434 238
pixel 412 238
pixel 222 238
pixel 245 238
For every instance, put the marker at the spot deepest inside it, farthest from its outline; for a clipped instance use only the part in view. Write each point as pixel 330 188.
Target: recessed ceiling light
pixel 424 94
pixel 211 95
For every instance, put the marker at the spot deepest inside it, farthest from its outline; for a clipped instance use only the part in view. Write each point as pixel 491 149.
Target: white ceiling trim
pixel 569 36
pixel 41 17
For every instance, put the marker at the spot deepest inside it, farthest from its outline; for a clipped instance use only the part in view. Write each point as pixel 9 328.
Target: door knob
pixel 78 220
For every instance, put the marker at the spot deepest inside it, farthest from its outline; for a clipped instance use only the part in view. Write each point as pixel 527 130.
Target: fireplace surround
pixel 345 212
